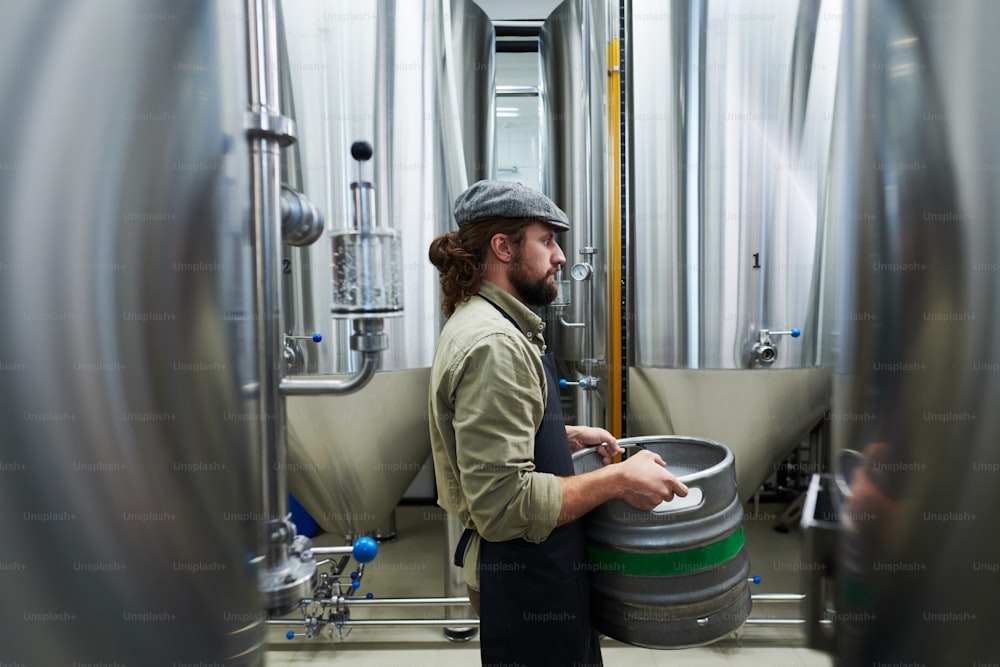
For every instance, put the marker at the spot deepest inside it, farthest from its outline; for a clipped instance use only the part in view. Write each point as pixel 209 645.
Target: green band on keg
pixel 665 564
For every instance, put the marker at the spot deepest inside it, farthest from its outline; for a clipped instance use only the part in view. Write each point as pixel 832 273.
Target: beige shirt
pixel 487 399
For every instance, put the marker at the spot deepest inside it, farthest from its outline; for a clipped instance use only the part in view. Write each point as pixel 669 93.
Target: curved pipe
pixel 301 221
pixel 311 386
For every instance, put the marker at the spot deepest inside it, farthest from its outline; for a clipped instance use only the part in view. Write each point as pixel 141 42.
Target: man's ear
pixel 501 247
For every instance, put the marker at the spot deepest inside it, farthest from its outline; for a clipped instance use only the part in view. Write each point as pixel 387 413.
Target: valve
pixel 588 382
pixel 316 337
pixel 292 355
pixel 764 352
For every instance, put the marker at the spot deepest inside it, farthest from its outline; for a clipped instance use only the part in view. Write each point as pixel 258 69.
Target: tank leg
pixel 387 531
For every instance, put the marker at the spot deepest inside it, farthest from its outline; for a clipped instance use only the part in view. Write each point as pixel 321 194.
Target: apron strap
pixel 463 543
pixel 502 312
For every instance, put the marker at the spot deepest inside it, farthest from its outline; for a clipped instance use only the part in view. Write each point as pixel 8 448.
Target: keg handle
pixel 695 498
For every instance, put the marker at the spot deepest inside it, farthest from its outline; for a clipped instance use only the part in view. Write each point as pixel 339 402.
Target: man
pixel 501 449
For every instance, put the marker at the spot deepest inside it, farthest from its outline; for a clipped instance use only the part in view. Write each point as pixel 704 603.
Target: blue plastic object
pixel 365 549
pixel 354 575
pixel 317 337
pixel 796 333
pixel 304 523
pixel 355 584
pixel 290 634
pixel 369 596
pixel 562 382
pixel 756 579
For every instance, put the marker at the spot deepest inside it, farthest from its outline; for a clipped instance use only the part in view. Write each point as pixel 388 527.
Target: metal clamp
pixel 270 126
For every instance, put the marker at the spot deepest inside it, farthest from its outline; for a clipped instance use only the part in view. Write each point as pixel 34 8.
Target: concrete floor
pixel 413 566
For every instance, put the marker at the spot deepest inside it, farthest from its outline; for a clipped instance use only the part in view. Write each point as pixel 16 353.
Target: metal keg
pixel 674 576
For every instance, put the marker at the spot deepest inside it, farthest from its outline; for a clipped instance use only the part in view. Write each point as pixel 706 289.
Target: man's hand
pixel 648 481
pixel 591 436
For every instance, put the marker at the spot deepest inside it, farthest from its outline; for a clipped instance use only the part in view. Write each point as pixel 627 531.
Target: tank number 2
pixel 286 266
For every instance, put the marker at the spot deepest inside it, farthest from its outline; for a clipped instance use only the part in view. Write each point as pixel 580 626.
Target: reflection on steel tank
pixel 416 79
pixel 731 115
pixel 129 499
pixel 916 386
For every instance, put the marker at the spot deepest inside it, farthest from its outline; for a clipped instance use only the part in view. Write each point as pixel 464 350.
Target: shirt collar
pixel 528 322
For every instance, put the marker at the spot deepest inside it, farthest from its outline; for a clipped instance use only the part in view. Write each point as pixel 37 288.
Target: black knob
pixel 361 151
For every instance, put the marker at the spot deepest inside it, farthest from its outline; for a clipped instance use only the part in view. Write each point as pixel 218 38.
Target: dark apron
pixel 535 603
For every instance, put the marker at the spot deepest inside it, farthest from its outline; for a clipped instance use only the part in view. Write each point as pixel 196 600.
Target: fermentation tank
pixel 917 378
pixel 129 502
pixel 416 79
pixel 730 109
pixel 572 50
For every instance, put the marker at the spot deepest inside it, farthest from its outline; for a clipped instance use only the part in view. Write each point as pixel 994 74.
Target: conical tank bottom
pixel 760 414
pixel 351 457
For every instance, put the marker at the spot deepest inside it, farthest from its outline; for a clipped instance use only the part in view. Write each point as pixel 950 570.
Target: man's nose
pixel 559 257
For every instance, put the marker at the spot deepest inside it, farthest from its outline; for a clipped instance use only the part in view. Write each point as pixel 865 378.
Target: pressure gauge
pixel 581 271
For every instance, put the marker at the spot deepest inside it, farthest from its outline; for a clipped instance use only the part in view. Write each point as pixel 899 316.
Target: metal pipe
pixel 438 622
pixel 311 386
pixel 433 622
pixel 778 597
pixel 775 621
pixel 267 130
pixel 406 602
pixel 692 226
pixel 387 622
pixel 331 551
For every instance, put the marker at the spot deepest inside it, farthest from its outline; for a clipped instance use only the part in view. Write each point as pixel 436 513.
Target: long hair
pixel 460 257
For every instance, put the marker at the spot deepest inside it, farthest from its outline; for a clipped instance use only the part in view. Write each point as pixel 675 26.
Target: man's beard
pixel 539 292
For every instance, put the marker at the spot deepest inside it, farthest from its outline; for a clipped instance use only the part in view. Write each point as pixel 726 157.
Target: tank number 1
pixel 756 260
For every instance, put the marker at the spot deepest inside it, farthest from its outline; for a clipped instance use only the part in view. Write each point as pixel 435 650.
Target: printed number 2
pixel 286 266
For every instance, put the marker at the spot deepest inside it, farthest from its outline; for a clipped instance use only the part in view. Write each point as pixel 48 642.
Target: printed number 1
pixel 756 260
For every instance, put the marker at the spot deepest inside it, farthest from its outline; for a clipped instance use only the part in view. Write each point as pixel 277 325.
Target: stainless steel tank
pixel 572 51
pixel 129 499
pixel 415 79
pixel 917 377
pixel 674 576
pixel 731 109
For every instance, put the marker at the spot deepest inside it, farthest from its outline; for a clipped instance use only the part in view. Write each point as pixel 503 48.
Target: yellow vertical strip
pixel 615 361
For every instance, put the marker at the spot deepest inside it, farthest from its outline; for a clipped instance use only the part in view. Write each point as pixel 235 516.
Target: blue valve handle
pixel 290 634
pixel 365 549
pixel 795 333
pixel 316 337
pixel 563 382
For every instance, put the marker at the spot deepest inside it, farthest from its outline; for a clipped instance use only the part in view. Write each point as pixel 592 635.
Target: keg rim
pixel 639 442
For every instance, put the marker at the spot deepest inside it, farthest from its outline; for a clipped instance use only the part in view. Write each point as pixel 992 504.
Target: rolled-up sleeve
pixel 499 404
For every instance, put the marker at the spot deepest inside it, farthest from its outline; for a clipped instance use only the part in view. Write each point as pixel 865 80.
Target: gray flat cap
pixel 487 200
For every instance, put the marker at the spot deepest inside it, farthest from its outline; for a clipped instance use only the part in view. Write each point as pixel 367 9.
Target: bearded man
pixel 502 452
